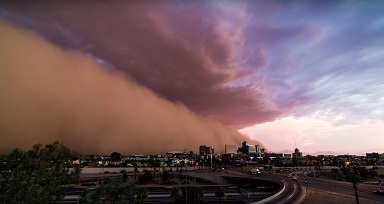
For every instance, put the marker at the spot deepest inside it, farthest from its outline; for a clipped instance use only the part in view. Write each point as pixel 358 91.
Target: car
pixel 378 193
pixel 294 178
pixel 254 171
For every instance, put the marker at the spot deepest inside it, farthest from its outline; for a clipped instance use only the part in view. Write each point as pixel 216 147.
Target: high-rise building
pixel 297 154
pixel 230 149
pixel 203 150
pixel 206 150
pixel 245 144
pixel 250 149
pixel 210 150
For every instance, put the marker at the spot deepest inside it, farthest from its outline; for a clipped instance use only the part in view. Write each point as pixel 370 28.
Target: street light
pixel 211 158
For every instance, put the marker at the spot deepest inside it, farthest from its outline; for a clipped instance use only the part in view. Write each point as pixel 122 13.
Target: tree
pixel 294 161
pixel 89 197
pixel 135 170
pixel 115 156
pixel 142 193
pixel 146 178
pixel 354 179
pixel 37 175
pixel 166 175
pixel 220 192
pixel 177 194
pixel 125 176
pixel 195 194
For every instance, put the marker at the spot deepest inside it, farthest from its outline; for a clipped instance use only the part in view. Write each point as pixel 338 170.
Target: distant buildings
pixel 374 156
pixel 203 150
pixel 297 154
pixel 250 149
pixel 206 150
pixel 210 150
pixel 230 149
pixel 263 151
pixel 234 155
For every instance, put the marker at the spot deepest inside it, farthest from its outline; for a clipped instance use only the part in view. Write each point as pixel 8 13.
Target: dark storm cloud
pixel 240 63
pixel 48 94
pixel 181 50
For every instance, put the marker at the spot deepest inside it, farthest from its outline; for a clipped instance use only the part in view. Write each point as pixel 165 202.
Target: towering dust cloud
pixel 48 94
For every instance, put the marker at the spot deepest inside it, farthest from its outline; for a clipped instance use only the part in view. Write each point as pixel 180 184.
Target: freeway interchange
pixel 242 187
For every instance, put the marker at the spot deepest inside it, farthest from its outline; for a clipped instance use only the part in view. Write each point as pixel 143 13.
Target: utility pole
pixel 211 157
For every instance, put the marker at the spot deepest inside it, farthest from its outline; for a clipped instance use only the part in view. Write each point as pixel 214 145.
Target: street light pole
pixel 211 158
pixel 329 183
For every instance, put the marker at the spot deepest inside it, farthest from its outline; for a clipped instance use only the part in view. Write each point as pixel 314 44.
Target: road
pixel 294 191
pixel 161 194
pixel 324 184
pixel 346 188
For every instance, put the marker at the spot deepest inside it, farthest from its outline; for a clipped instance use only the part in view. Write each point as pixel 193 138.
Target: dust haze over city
pixel 155 76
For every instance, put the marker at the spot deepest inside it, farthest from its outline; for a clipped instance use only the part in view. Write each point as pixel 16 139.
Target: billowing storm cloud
pixel 49 94
pixel 182 51
pixel 241 63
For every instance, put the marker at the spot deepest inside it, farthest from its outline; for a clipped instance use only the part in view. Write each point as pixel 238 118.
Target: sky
pixel 305 74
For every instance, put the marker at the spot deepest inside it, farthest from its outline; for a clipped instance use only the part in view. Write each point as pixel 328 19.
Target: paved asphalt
pixel 346 188
pixel 294 191
pixel 324 184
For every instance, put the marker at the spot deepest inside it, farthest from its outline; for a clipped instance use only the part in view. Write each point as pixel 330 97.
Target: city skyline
pixel 178 74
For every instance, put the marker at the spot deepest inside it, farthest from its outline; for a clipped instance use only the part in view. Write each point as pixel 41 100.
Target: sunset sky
pixel 285 73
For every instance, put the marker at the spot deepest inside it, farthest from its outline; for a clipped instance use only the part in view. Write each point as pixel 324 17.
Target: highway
pixel 345 188
pixel 159 194
pixel 293 193
pixel 238 191
pixel 294 189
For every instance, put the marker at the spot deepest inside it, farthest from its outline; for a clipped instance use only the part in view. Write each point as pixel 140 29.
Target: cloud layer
pixel 52 94
pixel 185 52
pixel 238 62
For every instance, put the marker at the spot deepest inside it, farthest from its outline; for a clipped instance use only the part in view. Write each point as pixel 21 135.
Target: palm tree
pixel 177 194
pixel 354 179
pixel 135 170
pixel 196 194
pixel 220 193
pixel 142 194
